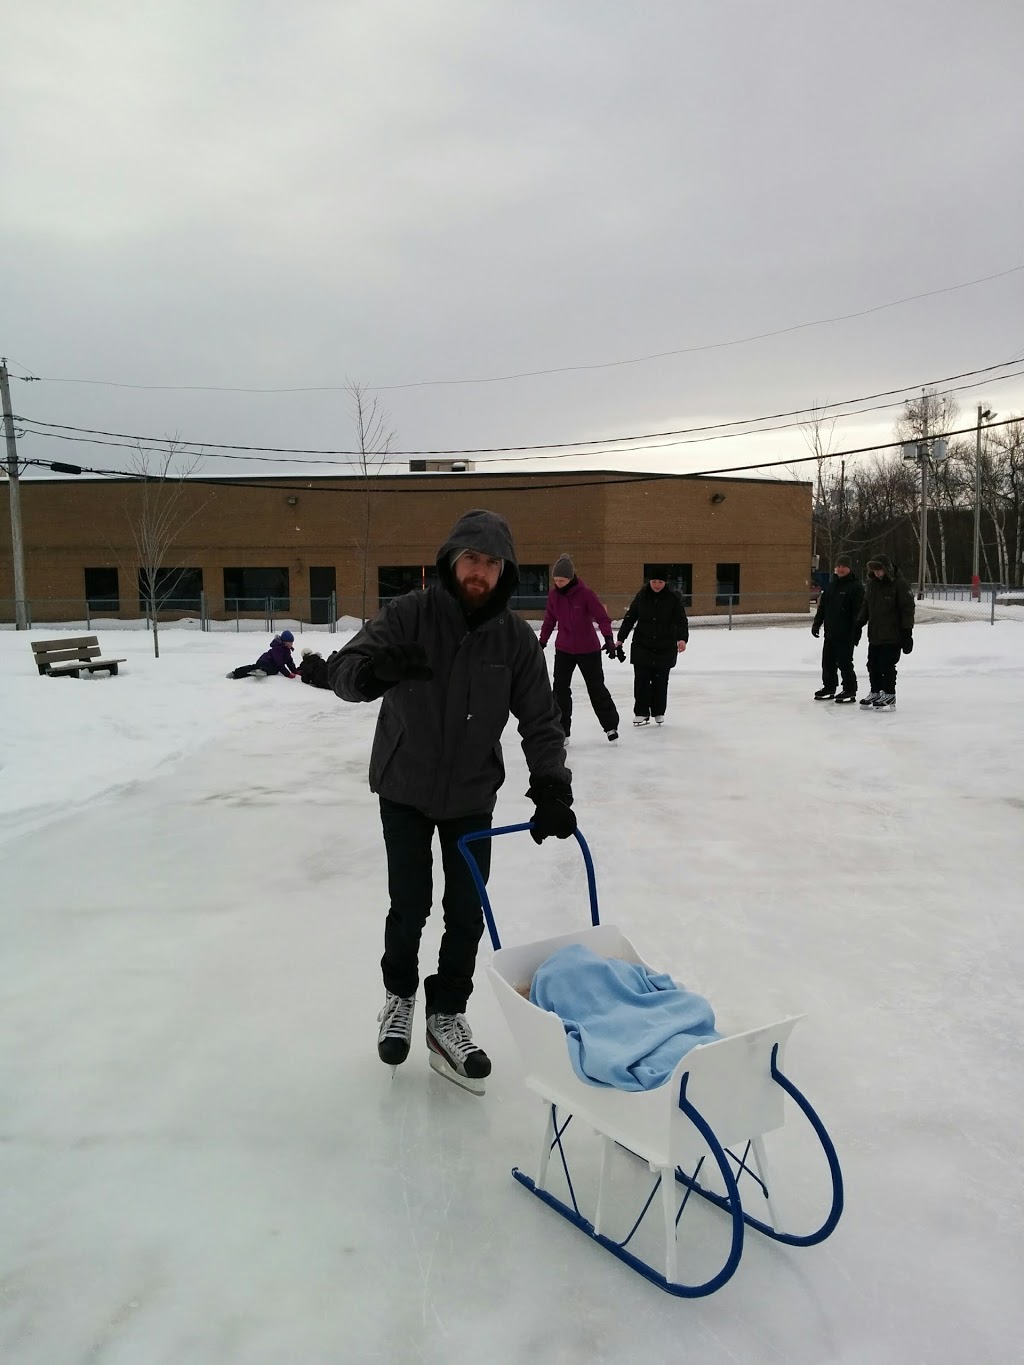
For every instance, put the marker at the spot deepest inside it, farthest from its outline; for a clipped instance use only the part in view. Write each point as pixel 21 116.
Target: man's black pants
pixel 836 657
pixel 408 835
pixel 650 690
pixel 593 676
pixel 882 660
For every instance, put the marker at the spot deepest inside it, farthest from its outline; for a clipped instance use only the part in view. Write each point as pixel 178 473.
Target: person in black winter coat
pixel 657 617
pixel 450 663
pixel 838 609
pixel 888 613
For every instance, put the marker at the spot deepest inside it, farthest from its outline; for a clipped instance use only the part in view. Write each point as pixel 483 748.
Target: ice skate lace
pixel 453 1033
pixel 396 1016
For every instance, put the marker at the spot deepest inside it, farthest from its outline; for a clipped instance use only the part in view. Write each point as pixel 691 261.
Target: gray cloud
pixel 271 194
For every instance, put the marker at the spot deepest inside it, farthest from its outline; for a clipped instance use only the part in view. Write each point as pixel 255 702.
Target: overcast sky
pixel 248 193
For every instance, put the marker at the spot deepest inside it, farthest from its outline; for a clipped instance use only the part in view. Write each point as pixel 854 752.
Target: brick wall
pixel 610 529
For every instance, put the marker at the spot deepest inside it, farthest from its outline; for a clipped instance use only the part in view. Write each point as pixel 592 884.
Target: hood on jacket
pixel 490 534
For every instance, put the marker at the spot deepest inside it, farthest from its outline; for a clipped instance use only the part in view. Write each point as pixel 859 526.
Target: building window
pixel 532 592
pixel 173 589
pixel 395 579
pixel 101 590
pixel 255 589
pixel 727 585
pixel 680 577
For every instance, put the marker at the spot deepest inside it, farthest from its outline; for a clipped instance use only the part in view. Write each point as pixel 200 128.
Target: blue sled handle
pixel 485 903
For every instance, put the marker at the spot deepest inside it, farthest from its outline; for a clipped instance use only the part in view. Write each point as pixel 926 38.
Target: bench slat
pixel 57 656
pixel 84 664
pixel 65 642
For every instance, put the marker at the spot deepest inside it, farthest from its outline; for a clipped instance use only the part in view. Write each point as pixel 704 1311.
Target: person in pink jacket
pixel 577 613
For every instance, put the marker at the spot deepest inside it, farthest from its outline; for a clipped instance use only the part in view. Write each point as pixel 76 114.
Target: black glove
pixel 906 642
pixel 609 648
pixel 620 653
pixel 815 631
pixel 552 817
pixel 405 662
pixel 856 637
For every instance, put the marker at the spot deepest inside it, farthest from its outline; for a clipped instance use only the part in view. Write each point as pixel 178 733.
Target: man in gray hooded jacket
pixel 450 663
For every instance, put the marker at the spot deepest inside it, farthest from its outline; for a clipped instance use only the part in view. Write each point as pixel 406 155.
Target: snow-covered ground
pixel 202 1160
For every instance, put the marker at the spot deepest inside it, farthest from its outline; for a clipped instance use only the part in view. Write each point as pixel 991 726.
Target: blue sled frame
pixel 731 1167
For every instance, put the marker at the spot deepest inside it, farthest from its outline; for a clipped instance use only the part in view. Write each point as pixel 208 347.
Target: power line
pixel 557 369
pixel 125 440
pixel 612 477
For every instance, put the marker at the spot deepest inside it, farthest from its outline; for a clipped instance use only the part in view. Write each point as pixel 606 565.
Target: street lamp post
pixel 984 415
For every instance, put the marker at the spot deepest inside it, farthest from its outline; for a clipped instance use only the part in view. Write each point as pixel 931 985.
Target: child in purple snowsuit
pixel 577 612
pixel 277 659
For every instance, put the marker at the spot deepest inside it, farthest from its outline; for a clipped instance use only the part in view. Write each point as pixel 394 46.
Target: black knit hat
pixel 657 571
pixel 844 561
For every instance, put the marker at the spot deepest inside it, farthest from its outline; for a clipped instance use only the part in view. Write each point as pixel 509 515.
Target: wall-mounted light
pixel 717 497
pixel 292 502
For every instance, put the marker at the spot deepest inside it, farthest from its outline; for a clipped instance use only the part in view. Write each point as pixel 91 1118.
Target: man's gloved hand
pixel 552 817
pixel 620 653
pixel 815 631
pixel 856 637
pixel 609 648
pixel 404 662
pixel 906 641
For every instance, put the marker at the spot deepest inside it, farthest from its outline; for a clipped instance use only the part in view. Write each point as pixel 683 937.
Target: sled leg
pixel 666 1175
pixel 761 1162
pixel 547 1141
pixel 607 1147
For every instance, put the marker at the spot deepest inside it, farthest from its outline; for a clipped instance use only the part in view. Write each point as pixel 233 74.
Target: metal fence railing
pixel 726 611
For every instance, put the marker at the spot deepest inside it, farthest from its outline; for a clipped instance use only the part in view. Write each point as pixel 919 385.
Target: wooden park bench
pixel 68 657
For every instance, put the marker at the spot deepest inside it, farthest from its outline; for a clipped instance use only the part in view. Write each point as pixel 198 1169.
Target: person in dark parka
pixel 888 612
pixel 661 631
pixel 450 663
pixel 276 659
pixel 838 608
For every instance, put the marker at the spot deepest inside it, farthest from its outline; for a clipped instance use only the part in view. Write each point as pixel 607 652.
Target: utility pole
pixel 17 544
pixel 984 415
pixel 923 565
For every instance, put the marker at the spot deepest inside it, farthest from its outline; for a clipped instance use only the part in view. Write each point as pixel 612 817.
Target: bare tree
pixel 158 508
pixel 831 522
pixel 375 439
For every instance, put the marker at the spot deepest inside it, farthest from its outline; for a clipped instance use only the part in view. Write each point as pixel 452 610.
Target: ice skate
pixel 613 734
pixel 870 699
pixel 824 694
pixel 454 1055
pixel 885 701
pixel 395 1034
pixel 845 697
pixel 659 720
pixel 641 720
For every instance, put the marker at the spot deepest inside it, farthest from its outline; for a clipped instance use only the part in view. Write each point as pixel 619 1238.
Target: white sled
pixel 696 1133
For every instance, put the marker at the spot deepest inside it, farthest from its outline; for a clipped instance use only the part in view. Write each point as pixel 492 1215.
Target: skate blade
pixel 473 1085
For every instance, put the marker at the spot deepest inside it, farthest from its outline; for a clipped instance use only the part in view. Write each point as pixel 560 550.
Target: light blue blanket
pixel 626 1026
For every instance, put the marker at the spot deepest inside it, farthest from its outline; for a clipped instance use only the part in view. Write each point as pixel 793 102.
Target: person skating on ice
pixel 888 612
pixel 838 609
pixel 576 612
pixel 450 663
pixel 657 618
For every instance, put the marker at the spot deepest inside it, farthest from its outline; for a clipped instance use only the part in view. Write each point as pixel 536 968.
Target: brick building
pixel 243 541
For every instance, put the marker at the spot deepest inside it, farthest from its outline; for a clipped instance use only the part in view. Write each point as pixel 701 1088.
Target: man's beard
pixel 473 592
